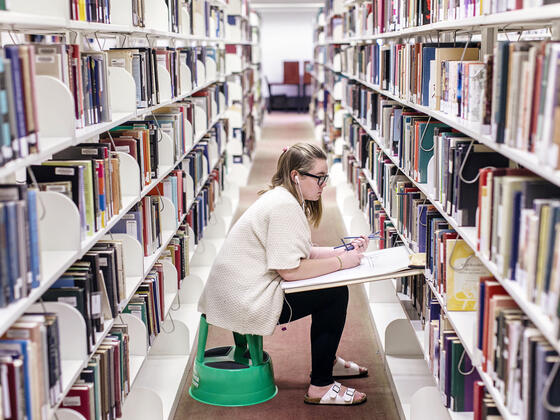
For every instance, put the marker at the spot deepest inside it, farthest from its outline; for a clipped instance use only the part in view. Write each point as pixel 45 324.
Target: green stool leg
pixel 255 349
pixel 202 337
pixel 240 348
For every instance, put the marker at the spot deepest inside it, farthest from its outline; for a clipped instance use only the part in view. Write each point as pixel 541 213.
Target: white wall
pixel 286 35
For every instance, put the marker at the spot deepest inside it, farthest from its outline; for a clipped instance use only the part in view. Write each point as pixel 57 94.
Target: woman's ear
pixel 294 176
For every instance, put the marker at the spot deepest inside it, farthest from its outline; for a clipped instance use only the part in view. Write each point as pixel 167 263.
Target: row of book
pixel 91 11
pixel 454 373
pixel 450 77
pixel 205 202
pixel 189 17
pixel 464 284
pixel 525 219
pixel 95 286
pixel 383 16
pixel 30 362
pixel 88 174
pixel 20 259
pixel 101 389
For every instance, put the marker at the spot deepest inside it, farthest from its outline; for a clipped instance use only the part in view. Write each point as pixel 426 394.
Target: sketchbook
pixel 377 265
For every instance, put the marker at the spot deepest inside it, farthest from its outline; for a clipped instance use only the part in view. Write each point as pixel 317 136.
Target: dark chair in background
pixel 275 102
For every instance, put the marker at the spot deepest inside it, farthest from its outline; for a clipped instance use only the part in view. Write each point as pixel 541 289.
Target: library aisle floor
pixel 290 349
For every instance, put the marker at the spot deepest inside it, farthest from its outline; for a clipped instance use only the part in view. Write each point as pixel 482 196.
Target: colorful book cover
pixel 463 271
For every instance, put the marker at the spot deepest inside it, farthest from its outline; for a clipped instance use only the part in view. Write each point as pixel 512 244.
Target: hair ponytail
pixel 301 157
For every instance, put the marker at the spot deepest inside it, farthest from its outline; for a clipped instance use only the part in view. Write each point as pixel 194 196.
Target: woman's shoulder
pixel 279 196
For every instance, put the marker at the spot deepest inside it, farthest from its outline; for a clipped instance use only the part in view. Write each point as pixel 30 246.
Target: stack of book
pixel 103 385
pixel 94 285
pixel 18 114
pixel 20 260
pixel 88 174
pixel 85 75
pixel 87 11
pixel 30 361
pixel 148 303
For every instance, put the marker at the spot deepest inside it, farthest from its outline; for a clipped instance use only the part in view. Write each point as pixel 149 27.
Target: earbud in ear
pixel 297 179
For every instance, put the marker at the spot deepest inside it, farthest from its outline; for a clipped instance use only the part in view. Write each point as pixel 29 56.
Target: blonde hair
pixel 299 157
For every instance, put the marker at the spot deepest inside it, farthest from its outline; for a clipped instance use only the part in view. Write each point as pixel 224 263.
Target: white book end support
pixel 185 78
pixel 121 13
pixel 73 339
pixel 359 223
pixel 199 29
pixel 205 173
pixel 189 185
pixel 138 335
pixel 338 91
pixel 192 245
pixel 222 102
pixel 224 207
pixel 68 414
pixel 129 175
pixel 400 339
pixel 189 135
pixel 216 228
pixel 55 8
pixel 235 91
pixel 337 63
pixel 133 254
pixel 214 109
pixel 210 69
pixel 431 181
pixel 191 289
pixel 164 84
pixel 166 151
pixel 200 121
pixel 204 255
pixel 170 278
pixel 143 403
pixel 122 90
pixel 235 117
pixel 173 343
pixel 200 73
pixel 382 292
pixel 233 32
pixel 426 404
pixel 233 63
pixel 55 107
pixel 156 15
pixel 168 215
pixel 59 211
pixel 185 21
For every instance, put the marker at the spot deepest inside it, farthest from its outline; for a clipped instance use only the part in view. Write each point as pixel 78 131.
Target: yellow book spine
pixel 82 10
pixel 542 254
pixel 463 272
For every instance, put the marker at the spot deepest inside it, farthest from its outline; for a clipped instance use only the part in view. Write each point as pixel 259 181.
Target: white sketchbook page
pixel 375 263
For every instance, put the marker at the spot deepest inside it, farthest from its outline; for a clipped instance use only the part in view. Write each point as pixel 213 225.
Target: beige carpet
pixel 290 349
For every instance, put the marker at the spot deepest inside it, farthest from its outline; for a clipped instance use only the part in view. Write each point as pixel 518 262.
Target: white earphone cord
pixel 300 193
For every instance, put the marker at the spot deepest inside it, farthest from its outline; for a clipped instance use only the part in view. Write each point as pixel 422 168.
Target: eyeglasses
pixel 321 179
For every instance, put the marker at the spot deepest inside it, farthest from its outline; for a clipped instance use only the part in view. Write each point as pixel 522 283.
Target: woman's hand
pixel 361 243
pixel 350 258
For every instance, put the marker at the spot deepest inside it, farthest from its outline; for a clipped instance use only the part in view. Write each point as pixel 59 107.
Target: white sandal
pixel 332 397
pixel 341 371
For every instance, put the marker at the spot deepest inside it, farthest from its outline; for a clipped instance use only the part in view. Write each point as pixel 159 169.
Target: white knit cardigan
pixel 243 292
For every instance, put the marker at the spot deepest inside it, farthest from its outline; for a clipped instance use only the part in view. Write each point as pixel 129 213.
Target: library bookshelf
pixel 157 372
pixel 337 79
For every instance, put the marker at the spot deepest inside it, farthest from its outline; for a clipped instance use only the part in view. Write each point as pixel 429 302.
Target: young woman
pixel 271 242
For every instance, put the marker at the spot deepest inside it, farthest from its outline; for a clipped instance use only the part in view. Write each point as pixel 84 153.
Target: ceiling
pixel 292 5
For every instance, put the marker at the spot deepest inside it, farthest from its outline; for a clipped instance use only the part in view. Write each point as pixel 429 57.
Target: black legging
pixel 327 308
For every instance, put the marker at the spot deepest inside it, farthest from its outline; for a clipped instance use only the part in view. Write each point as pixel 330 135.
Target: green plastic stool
pixel 232 376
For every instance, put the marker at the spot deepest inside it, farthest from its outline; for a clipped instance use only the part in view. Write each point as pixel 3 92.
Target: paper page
pixel 374 264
